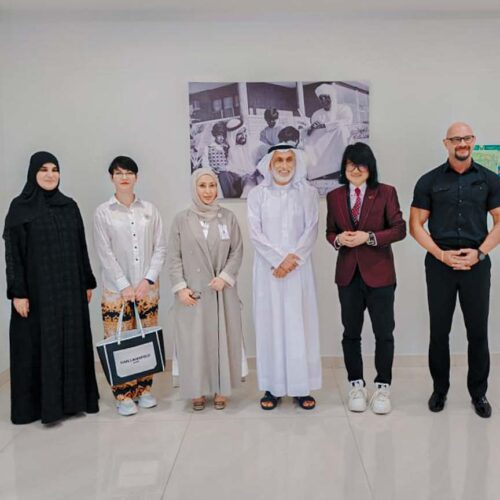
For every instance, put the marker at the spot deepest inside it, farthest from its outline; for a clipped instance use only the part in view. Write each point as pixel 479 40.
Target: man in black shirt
pixel 455 199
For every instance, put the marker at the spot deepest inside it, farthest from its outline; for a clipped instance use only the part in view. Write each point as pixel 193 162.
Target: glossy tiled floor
pixel 243 453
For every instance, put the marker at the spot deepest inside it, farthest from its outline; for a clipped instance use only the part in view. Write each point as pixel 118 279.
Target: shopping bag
pixel 132 354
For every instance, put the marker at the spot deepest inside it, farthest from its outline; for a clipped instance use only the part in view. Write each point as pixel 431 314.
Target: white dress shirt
pixel 129 242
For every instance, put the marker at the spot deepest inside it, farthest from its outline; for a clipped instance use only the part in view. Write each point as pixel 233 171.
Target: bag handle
pixel 138 322
pixel 120 323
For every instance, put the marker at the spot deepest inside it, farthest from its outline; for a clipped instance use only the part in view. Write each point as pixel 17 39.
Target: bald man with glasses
pixel 454 200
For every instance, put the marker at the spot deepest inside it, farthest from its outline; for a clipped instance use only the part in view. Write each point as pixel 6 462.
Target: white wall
pixel 90 90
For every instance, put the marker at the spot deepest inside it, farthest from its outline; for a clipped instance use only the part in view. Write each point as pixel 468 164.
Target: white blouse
pixel 129 242
pixel 205 226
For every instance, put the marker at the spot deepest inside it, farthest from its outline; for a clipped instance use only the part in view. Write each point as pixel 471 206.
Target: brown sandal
pixel 219 404
pixel 199 403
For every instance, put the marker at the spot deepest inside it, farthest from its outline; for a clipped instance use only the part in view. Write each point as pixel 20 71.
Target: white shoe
pixel 126 407
pixel 357 396
pixel 380 402
pixel 147 400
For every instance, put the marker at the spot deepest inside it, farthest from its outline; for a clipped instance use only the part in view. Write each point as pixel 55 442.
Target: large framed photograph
pixel 233 124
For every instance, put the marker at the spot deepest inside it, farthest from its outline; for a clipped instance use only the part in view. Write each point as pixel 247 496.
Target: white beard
pixel 282 179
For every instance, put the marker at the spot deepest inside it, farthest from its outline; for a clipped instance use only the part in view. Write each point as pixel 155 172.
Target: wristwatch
pixel 480 255
pixel 372 241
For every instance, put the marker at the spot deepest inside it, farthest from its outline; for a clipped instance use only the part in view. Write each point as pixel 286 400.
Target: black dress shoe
pixel 482 407
pixel 437 401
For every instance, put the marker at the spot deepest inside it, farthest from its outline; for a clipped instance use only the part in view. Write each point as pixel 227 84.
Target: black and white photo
pixel 233 124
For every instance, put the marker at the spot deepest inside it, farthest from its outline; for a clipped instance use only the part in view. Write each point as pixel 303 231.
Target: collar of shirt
pixel 280 187
pixel 352 189
pixel 114 201
pixel 448 168
pixel 352 193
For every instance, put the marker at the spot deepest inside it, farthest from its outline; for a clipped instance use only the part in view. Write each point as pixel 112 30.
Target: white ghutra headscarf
pixel 300 174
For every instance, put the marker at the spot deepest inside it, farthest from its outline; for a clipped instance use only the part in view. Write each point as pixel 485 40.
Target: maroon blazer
pixel 380 213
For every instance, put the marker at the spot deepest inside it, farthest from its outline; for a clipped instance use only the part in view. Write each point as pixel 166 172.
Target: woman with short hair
pixel 128 236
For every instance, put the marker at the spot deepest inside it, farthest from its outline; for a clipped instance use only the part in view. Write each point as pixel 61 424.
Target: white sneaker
pixel 380 402
pixel 147 400
pixel 126 407
pixel 357 396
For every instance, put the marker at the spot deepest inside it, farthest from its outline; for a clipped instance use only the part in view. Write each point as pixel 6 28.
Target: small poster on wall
pixel 233 124
pixel 488 156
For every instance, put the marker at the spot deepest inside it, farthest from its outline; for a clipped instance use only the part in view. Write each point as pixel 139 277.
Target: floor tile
pixel 257 459
pixel 8 431
pixel 446 456
pixel 90 460
pixel 242 452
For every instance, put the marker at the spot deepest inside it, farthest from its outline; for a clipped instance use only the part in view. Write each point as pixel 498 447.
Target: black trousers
pixel 473 290
pixel 354 299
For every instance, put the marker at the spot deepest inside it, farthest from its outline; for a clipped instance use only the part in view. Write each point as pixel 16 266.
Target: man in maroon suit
pixel 364 218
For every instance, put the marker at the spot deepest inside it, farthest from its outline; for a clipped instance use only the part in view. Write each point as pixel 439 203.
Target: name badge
pixel 223 232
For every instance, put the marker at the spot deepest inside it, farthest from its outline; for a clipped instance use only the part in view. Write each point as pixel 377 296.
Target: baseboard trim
pixel 4 377
pixel 400 361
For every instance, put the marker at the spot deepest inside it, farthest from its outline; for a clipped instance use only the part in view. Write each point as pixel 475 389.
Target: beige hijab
pixel 207 212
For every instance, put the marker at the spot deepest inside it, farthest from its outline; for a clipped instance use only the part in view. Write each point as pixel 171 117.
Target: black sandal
pixel 269 398
pixel 300 400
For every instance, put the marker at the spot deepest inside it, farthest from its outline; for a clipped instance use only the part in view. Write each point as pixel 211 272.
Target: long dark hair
pixel 360 154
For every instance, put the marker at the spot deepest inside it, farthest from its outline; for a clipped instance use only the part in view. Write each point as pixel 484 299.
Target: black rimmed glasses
pixel 123 174
pixel 468 139
pixel 351 167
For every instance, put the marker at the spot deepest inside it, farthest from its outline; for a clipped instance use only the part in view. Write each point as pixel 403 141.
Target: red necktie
pixel 356 209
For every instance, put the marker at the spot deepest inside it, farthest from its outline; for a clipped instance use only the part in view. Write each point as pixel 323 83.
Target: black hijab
pixel 34 200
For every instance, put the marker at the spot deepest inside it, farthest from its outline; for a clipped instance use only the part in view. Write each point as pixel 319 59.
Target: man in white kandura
pixel 329 133
pixel 283 224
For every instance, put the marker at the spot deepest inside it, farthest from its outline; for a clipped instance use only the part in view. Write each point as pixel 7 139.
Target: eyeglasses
pixel 352 167
pixel 457 140
pixel 123 174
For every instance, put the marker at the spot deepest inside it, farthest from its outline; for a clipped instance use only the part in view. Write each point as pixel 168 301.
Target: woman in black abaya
pixel 50 282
